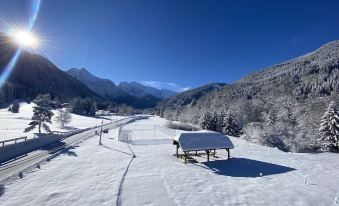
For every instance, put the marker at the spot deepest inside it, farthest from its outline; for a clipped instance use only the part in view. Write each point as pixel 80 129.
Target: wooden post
pixel 228 154
pixel 102 122
pixel 208 155
pixel 196 153
pixel 185 156
pixel 177 150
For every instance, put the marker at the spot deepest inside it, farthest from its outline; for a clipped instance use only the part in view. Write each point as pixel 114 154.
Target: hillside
pixel 34 74
pixel 300 89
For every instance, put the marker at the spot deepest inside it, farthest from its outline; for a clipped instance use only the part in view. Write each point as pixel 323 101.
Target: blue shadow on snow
pixel 243 167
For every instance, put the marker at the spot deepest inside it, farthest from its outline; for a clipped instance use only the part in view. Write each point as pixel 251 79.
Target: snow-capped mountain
pixel 104 87
pixel 108 89
pixel 138 89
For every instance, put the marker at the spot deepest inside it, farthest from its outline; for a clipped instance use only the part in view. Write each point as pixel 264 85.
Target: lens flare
pixel 24 38
pixel 9 67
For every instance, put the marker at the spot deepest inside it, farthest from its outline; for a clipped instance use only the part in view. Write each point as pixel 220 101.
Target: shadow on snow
pixel 242 167
pixel 2 190
pixel 60 146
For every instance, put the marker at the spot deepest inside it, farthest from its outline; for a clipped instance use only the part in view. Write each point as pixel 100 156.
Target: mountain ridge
pixel 107 88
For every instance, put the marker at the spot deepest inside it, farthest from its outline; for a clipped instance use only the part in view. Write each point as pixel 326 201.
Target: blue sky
pixel 177 43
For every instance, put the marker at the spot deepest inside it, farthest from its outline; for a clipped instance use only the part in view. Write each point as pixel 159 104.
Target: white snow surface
pixel 202 140
pixel 12 125
pixel 108 175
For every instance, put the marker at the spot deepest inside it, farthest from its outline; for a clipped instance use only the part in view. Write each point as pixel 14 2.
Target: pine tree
pixel 206 121
pixel 219 121
pixel 329 127
pixel 215 122
pixel 271 117
pixel 63 117
pixel 41 115
pixel 92 109
pixel 291 118
pixel 230 126
pixel 14 108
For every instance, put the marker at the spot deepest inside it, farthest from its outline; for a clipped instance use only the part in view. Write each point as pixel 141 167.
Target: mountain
pixel 103 87
pixel 112 92
pixel 34 74
pixel 108 89
pixel 298 89
pixel 189 97
pixel 138 89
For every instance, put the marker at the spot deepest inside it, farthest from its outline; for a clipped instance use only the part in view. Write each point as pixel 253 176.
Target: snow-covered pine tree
pixel 63 117
pixel 231 127
pixel 14 108
pixel 271 117
pixel 215 122
pixel 42 114
pixel 206 121
pixel 218 121
pixel 291 118
pixel 329 127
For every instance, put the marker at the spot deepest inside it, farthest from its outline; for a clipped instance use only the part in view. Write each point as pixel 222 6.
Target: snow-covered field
pixel 108 175
pixel 12 125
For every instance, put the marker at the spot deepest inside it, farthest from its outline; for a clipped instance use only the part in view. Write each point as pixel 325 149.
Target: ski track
pixel 118 202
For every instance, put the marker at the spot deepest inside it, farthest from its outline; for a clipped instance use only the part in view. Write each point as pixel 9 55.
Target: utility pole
pixel 102 122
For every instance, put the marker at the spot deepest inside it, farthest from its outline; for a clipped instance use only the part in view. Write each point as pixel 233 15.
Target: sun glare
pixel 25 39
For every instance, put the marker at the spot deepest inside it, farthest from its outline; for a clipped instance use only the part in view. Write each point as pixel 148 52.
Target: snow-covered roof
pixel 190 141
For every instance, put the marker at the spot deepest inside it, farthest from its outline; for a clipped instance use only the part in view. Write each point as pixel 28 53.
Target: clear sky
pixel 186 42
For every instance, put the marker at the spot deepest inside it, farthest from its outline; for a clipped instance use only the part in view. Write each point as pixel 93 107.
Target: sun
pixel 25 39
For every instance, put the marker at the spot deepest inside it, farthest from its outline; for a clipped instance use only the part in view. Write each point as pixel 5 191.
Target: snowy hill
pixel 13 124
pixel 109 175
pixel 298 91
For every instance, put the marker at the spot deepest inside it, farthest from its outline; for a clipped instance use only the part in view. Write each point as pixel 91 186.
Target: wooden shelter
pixel 202 141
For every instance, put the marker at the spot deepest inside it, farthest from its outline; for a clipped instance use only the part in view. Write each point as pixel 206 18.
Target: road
pixel 32 159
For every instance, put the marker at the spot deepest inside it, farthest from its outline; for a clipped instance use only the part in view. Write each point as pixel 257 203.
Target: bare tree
pixel 63 117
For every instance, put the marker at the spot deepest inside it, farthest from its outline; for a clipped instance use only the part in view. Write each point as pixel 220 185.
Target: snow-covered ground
pixel 108 175
pixel 12 125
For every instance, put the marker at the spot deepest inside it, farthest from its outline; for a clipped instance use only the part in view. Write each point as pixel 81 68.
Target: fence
pixel 140 134
pixel 15 140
